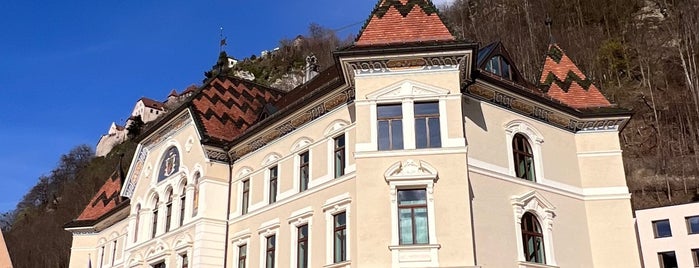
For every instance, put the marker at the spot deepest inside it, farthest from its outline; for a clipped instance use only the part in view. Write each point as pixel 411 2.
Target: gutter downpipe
pixel 228 210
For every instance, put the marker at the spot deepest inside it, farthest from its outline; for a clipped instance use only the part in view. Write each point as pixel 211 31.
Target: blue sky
pixel 70 68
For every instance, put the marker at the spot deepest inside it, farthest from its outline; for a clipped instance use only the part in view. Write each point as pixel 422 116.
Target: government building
pixel 415 149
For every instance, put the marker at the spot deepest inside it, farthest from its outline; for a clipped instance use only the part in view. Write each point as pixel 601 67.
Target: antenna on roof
pixel 549 22
pixel 223 40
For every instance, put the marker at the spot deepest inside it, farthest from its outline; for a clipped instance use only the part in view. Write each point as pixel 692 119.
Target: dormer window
pixel 499 66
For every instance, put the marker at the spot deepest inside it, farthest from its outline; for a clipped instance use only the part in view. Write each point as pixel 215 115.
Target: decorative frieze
pixel 216 155
pixel 294 123
pixel 397 65
pixel 168 130
pixel 537 111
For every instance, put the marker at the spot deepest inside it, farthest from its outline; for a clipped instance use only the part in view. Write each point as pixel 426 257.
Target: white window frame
pixel 536 204
pixel 271 161
pixel 244 174
pixel 266 230
pixel 407 93
pixel 297 219
pixel 332 207
pixel 405 175
pixel 239 239
pixel 535 138
pixel 300 146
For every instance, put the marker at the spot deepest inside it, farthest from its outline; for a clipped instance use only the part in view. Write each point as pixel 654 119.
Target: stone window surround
pixel 297 219
pixel 544 211
pixel 239 239
pixel 407 93
pixel 535 139
pixel 413 174
pixel 266 230
pixel 332 207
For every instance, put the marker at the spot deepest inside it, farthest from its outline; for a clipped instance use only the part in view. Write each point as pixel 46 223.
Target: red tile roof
pixel 152 103
pixel 403 21
pixel 173 93
pixel 226 107
pixel 106 199
pixel 562 80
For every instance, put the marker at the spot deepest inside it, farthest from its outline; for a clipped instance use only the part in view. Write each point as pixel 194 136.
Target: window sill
pixel 344 264
pixel 415 247
pixel 524 264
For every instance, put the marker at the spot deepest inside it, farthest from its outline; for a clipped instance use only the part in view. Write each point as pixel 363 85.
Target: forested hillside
pixel 34 230
pixel 643 55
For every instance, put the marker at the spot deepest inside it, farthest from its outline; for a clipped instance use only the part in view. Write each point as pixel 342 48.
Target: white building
pixel 669 236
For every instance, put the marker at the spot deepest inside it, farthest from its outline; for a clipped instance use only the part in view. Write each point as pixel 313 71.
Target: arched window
pixel 533 239
pixel 523 157
pixel 195 205
pixel 168 211
pixel 138 219
pixel 499 66
pixel 183 202
pixel 155 217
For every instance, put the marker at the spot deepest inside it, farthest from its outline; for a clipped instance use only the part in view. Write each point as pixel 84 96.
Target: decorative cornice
pixel 216 155
pixel 537 111
pixel 373 66
pixel 310 114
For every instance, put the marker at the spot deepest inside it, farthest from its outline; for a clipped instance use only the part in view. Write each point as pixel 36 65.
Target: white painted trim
pixel 552 186
pixel 297 219
pixel 332 207
pixel 264 233
pixel 535 139
pixel 600 153
pixel 286 198
pixel 418 152
pixel 544 211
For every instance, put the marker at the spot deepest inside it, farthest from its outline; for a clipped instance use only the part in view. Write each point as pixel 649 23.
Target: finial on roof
pixel 549 23
pixel 223 40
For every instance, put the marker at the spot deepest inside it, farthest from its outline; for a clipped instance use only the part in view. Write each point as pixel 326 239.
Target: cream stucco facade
pixel 314 184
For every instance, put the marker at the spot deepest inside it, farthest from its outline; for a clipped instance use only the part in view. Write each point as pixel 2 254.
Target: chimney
pixel 312 68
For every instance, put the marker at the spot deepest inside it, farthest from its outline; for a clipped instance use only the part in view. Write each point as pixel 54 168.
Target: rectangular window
pixel 155 222
pixel 667 259
pixel 695 256
pixel 339 237
pixel 159 265
pixel 303 171
pixel 662 228
pixel 185 261
pixel 114 248
pixel 271 242
pixel 339 156
pixel 168 216
pixel 390 127
pixel 102 257
pixel 242 255
pixel 302 247
pixel 246 196
pixel 412 217
pixel 183 202
pixel 692 224
pixel 273 173
pixel 427 133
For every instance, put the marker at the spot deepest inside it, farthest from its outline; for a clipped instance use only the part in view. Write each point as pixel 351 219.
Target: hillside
pixel 642 54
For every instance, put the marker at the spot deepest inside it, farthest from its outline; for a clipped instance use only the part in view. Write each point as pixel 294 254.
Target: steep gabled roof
pixel 562 80
pixel 106 199
pixel 498 49
pixel 403 21
pixel 227 106
pixel 150 103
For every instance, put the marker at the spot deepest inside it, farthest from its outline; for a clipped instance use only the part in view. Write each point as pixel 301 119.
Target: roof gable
pixel 498 49
pixel 403 21
pixel 106 199
pixel 562 80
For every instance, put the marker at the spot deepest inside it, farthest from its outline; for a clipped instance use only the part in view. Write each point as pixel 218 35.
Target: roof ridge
pixel 379 28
